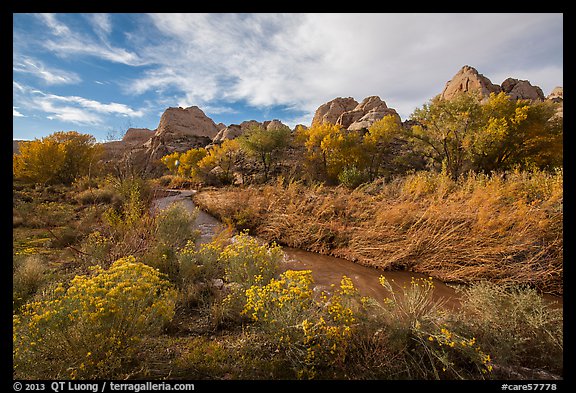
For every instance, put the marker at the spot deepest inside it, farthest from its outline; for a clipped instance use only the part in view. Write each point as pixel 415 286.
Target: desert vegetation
pixel 471 194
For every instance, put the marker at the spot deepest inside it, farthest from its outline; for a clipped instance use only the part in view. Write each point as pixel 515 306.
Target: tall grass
pixel 506 228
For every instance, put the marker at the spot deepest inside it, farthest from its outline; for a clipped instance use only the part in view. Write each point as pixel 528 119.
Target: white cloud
pixel 74 109
pixel 15 113
pixel 51 76
pixel 102 23
pixel 68 43
pixel 304 60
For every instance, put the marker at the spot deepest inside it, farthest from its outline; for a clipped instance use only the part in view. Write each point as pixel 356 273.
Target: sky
pixel 101 74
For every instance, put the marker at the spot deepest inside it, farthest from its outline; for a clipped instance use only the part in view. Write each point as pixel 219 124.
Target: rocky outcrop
pixel 133 138
pixel 469 79
pixel 137 135
pixel 178 131
pixel 186 122
pixel 360 116
pixel 466 80
pixel 557 96
pixel 230 132
pixel 370 110
pixel 522 89
pixel 331 111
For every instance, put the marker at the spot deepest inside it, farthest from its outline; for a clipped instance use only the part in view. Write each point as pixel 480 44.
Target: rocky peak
pixel 371 103
pixel 522 89
pixel 331 111
pixel 466 80
pixel 189 121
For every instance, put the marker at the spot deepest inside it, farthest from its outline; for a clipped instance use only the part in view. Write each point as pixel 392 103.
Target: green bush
pixel 92 329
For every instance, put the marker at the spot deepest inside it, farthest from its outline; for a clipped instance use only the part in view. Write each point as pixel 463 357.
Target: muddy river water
pixel 326 270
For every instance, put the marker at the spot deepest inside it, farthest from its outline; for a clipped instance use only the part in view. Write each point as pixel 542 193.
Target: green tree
pixel 266 145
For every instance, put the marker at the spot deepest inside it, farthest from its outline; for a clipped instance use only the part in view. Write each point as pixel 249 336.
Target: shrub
pixel 28 277
pixel 91 329
pixel 249 263
pixel 423 344
pixel 95 195
pixel 314 335
pixel 515 324
pixel 96 248
pixel 351 177
pixel 174 225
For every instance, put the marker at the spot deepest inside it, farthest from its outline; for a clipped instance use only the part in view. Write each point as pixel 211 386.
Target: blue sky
pixel 103 73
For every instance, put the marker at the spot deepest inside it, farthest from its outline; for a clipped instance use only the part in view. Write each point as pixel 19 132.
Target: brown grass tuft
pixel 506 228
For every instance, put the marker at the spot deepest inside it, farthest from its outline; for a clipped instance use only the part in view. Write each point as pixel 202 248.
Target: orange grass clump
pixel 505 228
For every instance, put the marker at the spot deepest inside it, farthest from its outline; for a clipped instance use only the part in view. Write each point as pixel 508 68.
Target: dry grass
pixel 506 228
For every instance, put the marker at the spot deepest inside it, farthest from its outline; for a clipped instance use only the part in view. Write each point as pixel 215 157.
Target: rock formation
pixel 331 111
pixel 371 109
pixel 186 122
pixel 361 115
pixel 468 79
pixel 179 130
pixel 522 89
pixel 235 130
pixel 135 136
pixel 557 96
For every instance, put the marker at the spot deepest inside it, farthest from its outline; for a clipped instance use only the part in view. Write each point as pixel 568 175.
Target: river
pixel 326 270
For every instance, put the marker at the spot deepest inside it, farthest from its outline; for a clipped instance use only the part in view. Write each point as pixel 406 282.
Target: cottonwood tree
pixel 57 158
pixel 266 145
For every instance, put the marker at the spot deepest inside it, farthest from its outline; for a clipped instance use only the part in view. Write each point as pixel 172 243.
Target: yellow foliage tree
pixel 58 158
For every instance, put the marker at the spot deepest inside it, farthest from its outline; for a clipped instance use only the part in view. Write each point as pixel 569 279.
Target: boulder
pixel 186 122
pixel 522 89
pixel 331 111
pixel 230 132
pixel 466 80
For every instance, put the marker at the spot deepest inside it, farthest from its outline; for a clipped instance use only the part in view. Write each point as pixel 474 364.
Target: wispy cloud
pixel 304 60
pixel 74 109
pixel 51 76
pixel 15 112
pixel 66 42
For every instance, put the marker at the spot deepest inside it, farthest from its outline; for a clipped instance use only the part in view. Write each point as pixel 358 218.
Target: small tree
pixel 443 126
pixel 376 143
pixel 265 144
pixel 58 158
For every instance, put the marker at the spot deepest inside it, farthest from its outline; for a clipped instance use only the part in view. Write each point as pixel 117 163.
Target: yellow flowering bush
pixel 249 263
pixel 91 329
pixel 313 332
